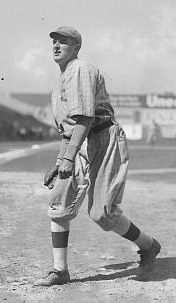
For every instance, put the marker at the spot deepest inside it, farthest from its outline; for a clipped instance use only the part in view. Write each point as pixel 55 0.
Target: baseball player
pixel 152 133
pixel 93 158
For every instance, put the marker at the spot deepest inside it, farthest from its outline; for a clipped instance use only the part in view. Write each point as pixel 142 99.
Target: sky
pixel 132 42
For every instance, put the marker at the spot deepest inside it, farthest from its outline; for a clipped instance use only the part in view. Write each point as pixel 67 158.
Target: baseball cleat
pixel 148 256
pixel 53 277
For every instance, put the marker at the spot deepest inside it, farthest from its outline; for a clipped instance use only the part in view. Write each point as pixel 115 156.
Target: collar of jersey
pixel 70 63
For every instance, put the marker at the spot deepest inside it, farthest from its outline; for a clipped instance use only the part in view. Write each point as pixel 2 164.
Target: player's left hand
pixel 50 176
pixel 65 169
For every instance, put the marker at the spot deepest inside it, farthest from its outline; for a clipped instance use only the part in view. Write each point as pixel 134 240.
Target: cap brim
pixel 55 34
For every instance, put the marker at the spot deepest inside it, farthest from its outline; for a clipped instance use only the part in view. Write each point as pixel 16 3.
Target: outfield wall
pixel 142 114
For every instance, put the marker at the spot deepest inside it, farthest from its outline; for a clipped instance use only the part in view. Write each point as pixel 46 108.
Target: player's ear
pixel 77 47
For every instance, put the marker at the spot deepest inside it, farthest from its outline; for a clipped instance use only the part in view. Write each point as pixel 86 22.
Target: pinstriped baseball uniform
pixel 81 91
pixel 101 164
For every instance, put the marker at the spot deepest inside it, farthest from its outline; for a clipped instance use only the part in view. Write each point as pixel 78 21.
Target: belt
pixel 102 126
pixel 96 128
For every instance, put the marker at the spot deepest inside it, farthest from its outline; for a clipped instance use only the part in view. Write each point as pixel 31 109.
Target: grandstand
pixel 140 115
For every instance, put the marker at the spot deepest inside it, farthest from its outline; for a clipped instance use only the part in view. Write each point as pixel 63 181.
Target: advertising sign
pixel 127 100
pixel 133 131
pixel 158 101
pixel 149 101
pixel 168 131
pixel 160 116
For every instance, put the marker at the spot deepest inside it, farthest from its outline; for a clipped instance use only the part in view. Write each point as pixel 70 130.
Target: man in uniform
pixel 93 158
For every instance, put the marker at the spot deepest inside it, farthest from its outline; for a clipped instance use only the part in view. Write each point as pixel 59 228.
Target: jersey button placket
pixel 62 91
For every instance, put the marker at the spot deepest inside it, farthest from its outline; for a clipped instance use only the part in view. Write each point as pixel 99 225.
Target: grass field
pixel 141 157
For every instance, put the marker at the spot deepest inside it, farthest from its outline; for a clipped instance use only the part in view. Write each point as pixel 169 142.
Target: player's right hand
pixel 50 176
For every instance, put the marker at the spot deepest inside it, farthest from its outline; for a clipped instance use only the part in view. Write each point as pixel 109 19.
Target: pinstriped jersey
pixel 81 91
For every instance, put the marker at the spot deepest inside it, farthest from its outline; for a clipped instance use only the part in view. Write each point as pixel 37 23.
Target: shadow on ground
pixel 164 268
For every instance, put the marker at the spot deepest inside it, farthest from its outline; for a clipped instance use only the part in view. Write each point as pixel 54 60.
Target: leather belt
pixel 96 128
pixel 102 126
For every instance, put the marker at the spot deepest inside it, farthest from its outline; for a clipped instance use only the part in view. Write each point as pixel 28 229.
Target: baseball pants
pixel 100 171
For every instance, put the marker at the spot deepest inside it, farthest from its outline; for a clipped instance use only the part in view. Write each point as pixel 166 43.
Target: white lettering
pixel 163 102
pixel 160 116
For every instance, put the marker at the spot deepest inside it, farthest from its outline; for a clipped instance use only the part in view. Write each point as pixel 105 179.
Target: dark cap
pixel 67 31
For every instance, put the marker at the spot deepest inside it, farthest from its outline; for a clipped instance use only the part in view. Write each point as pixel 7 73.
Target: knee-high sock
pixel 128 230
pixel 60 233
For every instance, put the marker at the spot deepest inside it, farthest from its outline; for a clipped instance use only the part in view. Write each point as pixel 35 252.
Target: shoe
pixel 148 256
pixel 53 277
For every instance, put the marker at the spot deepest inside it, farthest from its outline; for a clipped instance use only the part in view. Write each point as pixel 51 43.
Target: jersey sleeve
pixel 81 92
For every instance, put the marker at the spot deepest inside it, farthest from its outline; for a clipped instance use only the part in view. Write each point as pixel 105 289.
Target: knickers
pixel 100 171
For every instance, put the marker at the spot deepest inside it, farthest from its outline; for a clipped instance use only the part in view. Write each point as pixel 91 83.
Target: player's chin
pixel 57 59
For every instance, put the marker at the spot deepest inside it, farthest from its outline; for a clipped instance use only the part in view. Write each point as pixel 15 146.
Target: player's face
pixel 64 50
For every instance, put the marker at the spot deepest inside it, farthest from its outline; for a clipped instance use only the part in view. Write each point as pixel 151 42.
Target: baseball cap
pixel 67 31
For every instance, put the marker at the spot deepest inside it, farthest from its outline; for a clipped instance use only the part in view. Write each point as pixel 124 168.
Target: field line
pixel 23 152
pixel 149 171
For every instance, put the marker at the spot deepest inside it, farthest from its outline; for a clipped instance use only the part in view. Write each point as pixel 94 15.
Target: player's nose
pixel 57 44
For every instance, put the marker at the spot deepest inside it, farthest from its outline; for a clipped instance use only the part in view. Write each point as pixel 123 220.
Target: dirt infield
pixel 103 266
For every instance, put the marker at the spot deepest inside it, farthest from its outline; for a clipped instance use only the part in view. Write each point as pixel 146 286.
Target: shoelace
pixel 53 271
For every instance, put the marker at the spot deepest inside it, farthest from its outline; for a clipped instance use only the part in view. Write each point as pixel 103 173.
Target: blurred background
pixel 132 42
